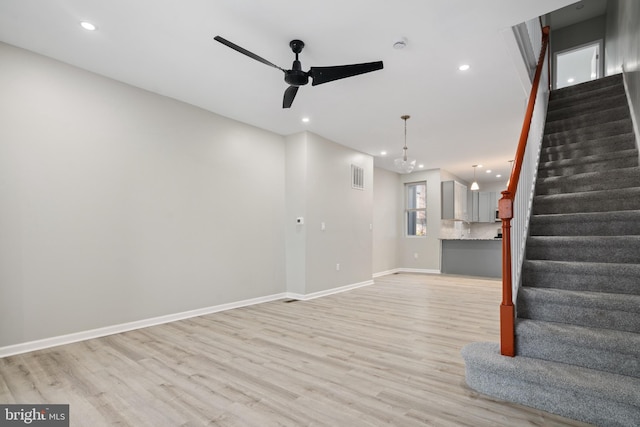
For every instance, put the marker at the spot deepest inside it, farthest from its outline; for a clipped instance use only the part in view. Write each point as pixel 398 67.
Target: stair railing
pixel 526 157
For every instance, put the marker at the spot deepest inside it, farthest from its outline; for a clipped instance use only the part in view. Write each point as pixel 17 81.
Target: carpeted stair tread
pixel 606 83
pixel 584 96
pixel 588 119
pixel 589 181
pixel 584 394
pixel 595 348
pixel 592 309
pixel 582 276
pixel 589 147
pixel 572 165
pixel 618 249
pixel 594 131
pixel 556 113
pixel 590 201
pixel 615 223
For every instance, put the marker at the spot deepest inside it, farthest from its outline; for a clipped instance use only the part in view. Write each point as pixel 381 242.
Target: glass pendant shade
pixel 405 165
pixel 474 184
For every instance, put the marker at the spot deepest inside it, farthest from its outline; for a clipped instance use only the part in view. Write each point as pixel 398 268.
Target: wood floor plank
pixel 385 354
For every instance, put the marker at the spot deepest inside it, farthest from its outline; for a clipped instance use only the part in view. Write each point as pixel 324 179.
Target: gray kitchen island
pixel 472 257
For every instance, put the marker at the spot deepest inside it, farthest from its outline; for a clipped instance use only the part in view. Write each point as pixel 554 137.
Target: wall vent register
pixel 357 177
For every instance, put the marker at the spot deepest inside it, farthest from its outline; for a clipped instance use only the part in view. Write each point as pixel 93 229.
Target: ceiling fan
pixel 295 77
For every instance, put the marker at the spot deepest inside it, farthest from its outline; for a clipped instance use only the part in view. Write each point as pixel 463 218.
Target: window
pixel 416 208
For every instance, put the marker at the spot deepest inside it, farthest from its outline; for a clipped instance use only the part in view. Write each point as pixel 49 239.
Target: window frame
pixel 408 209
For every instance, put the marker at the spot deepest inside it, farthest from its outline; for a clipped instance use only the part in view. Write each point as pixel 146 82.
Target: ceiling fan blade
pixel 328 74
pixel 289 95
pixel 245 52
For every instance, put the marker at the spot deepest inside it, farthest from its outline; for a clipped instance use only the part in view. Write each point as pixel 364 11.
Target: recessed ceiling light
pixel 479 166
pixel 498 176
pixel 88 26
pixel 421 166
pixel 571 80
pixel 488 170
pixel 305 119
pixel 383 153
pixel 464 67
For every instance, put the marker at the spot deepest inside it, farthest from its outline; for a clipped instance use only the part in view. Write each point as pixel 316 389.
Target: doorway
pixel 578 65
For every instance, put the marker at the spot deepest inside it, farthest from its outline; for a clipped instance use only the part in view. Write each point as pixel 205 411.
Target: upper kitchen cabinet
pixel 483 206
pixel 454 201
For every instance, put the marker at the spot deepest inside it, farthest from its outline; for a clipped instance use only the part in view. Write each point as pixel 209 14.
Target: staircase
pixel 578 309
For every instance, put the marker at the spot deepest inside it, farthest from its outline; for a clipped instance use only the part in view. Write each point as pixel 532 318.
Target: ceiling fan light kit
pixel 296 77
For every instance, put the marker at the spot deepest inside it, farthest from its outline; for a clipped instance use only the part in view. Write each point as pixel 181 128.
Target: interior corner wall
pixel 387 212
pixel 120 205
pixel 422 253
pixel 347 215
pixel 623 47
pixel 296 205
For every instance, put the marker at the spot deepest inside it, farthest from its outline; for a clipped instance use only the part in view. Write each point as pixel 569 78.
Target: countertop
pixel 471 238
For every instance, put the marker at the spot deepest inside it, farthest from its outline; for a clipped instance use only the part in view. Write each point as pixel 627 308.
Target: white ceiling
pixel 166 46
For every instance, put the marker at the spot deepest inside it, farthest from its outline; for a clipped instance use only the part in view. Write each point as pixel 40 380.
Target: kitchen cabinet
pixel 483 206
pixel 454 201
pixel 472 257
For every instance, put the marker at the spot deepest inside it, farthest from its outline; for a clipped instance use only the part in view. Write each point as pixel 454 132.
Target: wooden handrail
pixel 505 212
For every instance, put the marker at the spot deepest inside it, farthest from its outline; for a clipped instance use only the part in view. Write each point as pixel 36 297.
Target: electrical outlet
pixel 337 267
pixel 415 255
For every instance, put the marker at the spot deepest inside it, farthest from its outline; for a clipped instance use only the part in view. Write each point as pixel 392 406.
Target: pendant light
pixel 405 164
pixel 474 184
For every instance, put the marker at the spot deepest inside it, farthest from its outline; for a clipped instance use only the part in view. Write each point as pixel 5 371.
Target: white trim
pixel 634 122
pixel 386 273
pixel 26 347
pixel 328 292
pixel 124 327
pixel 419 270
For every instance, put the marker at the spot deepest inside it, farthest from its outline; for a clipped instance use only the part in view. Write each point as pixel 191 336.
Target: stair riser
pixel 600 202
pixel 592 184
pixel 622 250
pixel 572 111
pixel 605 130
pixel 584 228
pixel 587 120
pixel 549 348
pixel 596 166
pixel 581 316
pixel 589 148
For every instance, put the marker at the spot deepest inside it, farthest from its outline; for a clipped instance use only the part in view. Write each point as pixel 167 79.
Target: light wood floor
pixel 386 354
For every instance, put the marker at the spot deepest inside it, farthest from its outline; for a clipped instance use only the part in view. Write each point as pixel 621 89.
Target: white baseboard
pixel 386 273
pixel 125 327
pixel 419 270
pixel 26 347
pixel 328 292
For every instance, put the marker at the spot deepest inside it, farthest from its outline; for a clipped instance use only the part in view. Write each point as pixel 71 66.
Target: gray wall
pixel 387 205
pixel 576 35
pixel 319 190
pixel 120 205
pixel 623 47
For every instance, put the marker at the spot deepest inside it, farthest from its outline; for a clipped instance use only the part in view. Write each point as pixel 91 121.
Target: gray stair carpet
pixel 578 306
